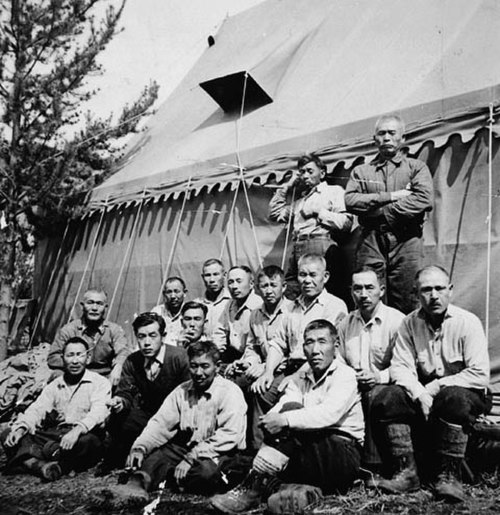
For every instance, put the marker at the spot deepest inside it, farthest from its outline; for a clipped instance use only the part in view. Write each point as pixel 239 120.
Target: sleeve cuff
pixel 384 196
pixel 385 376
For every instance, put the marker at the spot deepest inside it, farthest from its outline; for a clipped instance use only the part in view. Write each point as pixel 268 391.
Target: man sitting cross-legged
pixel 194 434
pixel 63 429
pixel 148 376
pixel 367 338
pixel 313 435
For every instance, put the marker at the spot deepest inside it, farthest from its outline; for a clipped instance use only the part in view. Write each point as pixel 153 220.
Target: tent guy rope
pixel 488 219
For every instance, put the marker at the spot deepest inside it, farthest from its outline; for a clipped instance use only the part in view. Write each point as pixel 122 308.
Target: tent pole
pixel 288 228
pixel 94 244
pixel 231 211
pixel 174 244
pixel 125 257
pixel 488 219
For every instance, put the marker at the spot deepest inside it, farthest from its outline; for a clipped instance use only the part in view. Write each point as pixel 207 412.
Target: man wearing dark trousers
pixel 148 376
pixel 441 370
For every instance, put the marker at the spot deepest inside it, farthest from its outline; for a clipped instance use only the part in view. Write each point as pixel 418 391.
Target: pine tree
pixel 48 50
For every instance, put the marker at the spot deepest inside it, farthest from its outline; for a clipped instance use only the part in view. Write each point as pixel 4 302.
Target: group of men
pixel 312 393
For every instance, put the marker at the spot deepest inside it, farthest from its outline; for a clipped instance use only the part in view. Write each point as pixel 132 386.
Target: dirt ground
pixel 86 495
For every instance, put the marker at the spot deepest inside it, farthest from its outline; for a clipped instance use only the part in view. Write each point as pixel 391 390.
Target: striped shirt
pixel 216 418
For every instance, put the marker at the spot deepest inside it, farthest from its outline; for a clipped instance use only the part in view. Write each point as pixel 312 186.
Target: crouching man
pixel 315 432
pixel 62 430
pixel 440 368
pixel 193 436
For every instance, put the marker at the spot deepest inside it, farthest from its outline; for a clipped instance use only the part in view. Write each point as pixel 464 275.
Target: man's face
pixel 94 307
pixel 239 284
pixel 434 291
pixel 193 322
pixel 366 291
pixel 312 278
pixel 319 349
pixel 75 359
pixel 203 370
pixel 213 276
pixel 310 175
pixel 149 340
pixel 271 289
pixel 174 294
pixel 388 137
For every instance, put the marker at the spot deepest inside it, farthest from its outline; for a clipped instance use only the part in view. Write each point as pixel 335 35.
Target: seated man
pixel 63 429
pixel 216 296
pixel 233 327
pixel 174 295
pixel 313 303
pixel 314 433
pixel 366 339
pixel 148 376
pixel 264 321
pixel 441 371
pixel 193 318
pixel 193 435
pixel 108 346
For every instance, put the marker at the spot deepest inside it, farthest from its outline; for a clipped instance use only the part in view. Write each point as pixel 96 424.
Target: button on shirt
pixel 234 326
pixel 321 211
pixel 263 327
pixel 369 345
pixel 215 310
pixel 83 404
pixel 216 417
pixel 289 336
pixel 368 191
pixel 456 354
pixel 331 402
pixel 108 346
pixel 173 323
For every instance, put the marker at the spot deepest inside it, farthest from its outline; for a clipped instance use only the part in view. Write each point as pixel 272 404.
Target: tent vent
pixel 227 91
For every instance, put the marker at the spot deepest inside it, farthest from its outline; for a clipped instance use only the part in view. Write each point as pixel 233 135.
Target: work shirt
pixel 173 323
pixel 216 418
pixel 456 354
pixel 263 327
pixel 369 345
pixel 215 309
pixel 234 325
pixel 108 346
pixel 321 211
pixel 83 404
pixel 289 336
pixel 368 192
pixel 331 402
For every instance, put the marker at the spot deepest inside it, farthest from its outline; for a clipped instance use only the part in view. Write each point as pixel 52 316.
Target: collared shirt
pixel 215 310
pixel 369 345
pixel 216 418
pixel 263 327
pixel 331 402
pixel 152 366
pixel 108 346
pixel 456 354
pixel 234 325
pixel 321 211
pixel 83 404
pixel 173 323
pixel 368 192
pixel 289 336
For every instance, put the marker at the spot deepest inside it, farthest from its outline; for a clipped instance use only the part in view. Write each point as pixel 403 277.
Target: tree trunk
pixel 6 293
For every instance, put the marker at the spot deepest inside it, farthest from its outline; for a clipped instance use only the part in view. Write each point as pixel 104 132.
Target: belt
pixel 305 237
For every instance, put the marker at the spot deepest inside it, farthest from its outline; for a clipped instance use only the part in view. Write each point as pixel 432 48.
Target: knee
pixel 453 404
pixel 387 402
pixel 204 470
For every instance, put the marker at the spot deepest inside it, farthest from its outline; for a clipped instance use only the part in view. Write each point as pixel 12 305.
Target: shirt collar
pixel 450 312
pixel 82 326
pixel 378 316
pixel 223 295
pixel 160 357
pixel 279 308
pixel 328 372
pixel 86 378
pixel 379 161
pixel 320 299
pixel 209 392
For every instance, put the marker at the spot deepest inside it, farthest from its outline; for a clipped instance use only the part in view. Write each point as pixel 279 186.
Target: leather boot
pixel 47 470
pixel 451 447
pixel 405 476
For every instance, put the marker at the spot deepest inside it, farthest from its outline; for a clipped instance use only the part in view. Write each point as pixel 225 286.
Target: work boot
pixel 405 475
pixel 255 488
pixel 451 447
pixel 47 470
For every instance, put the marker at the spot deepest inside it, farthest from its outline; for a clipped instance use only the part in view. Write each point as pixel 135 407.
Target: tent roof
pixel 331 67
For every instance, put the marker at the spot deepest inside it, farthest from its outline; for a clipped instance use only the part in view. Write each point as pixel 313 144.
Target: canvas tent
pixel 283 78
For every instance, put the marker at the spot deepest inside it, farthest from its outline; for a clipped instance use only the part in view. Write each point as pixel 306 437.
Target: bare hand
pixel 69 440
pixel 135 459
pixel 367 379
pixel 115 374
pixel 273 423
pixel 425 401
pixel 253 372
pixel 262 384
pixel 14 436
pixel 182 470
pixel 433 388
pixel 115 404
pixel 399 194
